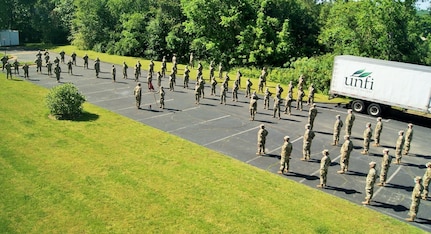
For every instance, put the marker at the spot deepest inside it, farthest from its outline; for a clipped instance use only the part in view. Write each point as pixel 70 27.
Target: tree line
pixel 274 33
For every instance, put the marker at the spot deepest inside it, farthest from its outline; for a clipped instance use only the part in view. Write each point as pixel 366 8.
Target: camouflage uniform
pixel 345 151
pixel 197 93
pixel 202 86
pixel 248 88
pixel 350 118
pixel 416 199
pixel 138 95
pixel 311 92
pixel 49 68
pixel 38 65
pixel 8 70
pixel 25 68
pixel 260 85
pixel 399 147
pixel 162 98
pixel 213 86
pixel 369 183
pixel 85 61
pixel 299 99
pixel 74 58
pixel 253 105
pixel 57 72
pixel 386 163
pixel 125 67
pixel 16 66
pixel 378 131
pixel 223 90
pixel 62 53
pixel 261 140
pixel 324 165
pixel 69 67
pixel 114 73
pixel 4 60
pixel 312 113
pixel 220 71
pixel 186 77
pixel 426 181
pixel 277 104
pixel 286 150
pixel 159 79
pixel 235 91
pixel 337 128
pixel 266 96
pixel 306 146
pixel 288 104
pixel 238 77
pixel 367 139
pixel 408 136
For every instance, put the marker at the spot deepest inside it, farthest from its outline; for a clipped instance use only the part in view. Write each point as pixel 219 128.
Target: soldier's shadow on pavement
pixel 356 173
pixel 387 146
pixel 324 133
pixel 265 121
pixel 346 191
pixel 396 208
pixel 272 156
pixel 172 109
pixel 13 79
pixel 423 221
pixel 152 110
pixel 420 166
pixel 397 186
pixel 307 177
pixel 423 156
pixel 299 115
pixel 376 155
pixel 207 104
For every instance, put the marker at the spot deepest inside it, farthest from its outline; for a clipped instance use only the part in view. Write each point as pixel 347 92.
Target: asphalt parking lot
pixel 227 129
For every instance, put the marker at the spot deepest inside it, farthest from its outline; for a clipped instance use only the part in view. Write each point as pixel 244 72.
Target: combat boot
pixel 279 172
pixel 366 202
pixel 341 172
pixel 286 171
pixel 320 185
pixel 334 143
pixel 364 152
pixel 381 184
pixel 411 218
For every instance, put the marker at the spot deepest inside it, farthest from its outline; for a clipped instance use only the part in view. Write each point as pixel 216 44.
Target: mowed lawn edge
pixel 108 174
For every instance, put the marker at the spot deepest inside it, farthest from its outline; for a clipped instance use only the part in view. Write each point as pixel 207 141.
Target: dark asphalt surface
pixel 227 129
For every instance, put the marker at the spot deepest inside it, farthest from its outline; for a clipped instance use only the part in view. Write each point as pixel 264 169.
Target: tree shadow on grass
pixel 87 117
pixel 396 208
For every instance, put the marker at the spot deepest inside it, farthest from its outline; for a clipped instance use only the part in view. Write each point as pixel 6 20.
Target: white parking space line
pixel 278 148
pixel 202 122
pixel 236 134
pixel 108 90
pixel 387 181
pixel 315 173
pixel 145 104
pixel 170 113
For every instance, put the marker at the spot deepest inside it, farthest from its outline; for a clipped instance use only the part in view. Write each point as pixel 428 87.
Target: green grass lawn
pixel 106 173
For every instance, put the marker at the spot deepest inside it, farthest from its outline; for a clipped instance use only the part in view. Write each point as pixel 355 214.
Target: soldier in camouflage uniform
pixel 416 199
pixel 223 91
pixel 386 163
pixel 62 53
pixel 277 107
pixel 162 97
pixel 312 113
pixel 261 140
pixel 114 73
pixel 260 85
pixel 286 150
pixel 220 71
pixel 426 181
pixel 378 131
pixel 200 69
pixel 136 72
pixel 151 68
pixel 306 146
pixel 8 67
pixel 311 92
pixel 137 92
pixel 399 147
pixel 213 86
pixel 324 165
pixel 186 77
pixel 69 67
pixel 238 77
pixel 25 68
pixel 345 151
pixel 191 61
pixel 197 93
pixel 350 118
pixel 266 96
pixel 299 99
pixel 74 58
pixel 289 99
pixel 57 72
pixel 125 67
pixel 4 60
pixel 367 139
pixel 85 61
pixel 369 183
pixel 49 68
pixel 97 67
pixel 253 105
pixel 337 128
pixel 159 79
pixel 235 91
pixel 408 137
pixel 201 83
pixel 16 67
pixel 164 68
pixel 248 88
pixel 38 65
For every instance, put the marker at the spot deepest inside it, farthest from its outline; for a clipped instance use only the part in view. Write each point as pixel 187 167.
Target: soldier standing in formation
pixel 223 91
pixel 200 69
pixel 139 66
pixel 311 92
pixel 238 77
pixel 49 68
pixel 16 66
pixel 264 74
pixel 416 199
pixel 299 99
pixel 25 68
pixel 4 60
pixel 57 72
pixel 369 183
pixel 85 61
pixel 186 77
pixel 197 93
pixel 220 71
pixel 125 67
pixel 56 60
pixel 386 163
pixel 253 105
pixel 337 128
pixel 159 79
pixel 136 72
pixel 312 113
pixel 399 147
pixel 138 95
pixel 324 165
pixel 378 131
pixel 288 102
pixel 278 91
pixel 171 82
pixel 74 58
pixel 408 137
pixel 162 97
pixel 426 181
pixel 151 68
pixel 164 66
pixel 367 138
pixel 69 67
pixel 277 107
pixel 62 53
pixel 38 65
pixel 150 83
pixel 114 73
pixel 266 96
pixel 286 150
pixel 350 118
pixel 345 151
pixel 97 67
pixel 201 83
pixel 191 61
pixel 261 140
pixel 248 88
pixel 213 86
pixel 260 85
pixel 306 146
pixel 8 70
pixel 235 91
pixel 46 57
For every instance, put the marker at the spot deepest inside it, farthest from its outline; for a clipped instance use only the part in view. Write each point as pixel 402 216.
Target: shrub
pixel 65 101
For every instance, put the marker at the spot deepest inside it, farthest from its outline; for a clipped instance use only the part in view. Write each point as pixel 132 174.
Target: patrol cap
pixel 286 137
pixel 410 125
pixel 307 125
pixel 386 150
pixel 401 132
pixel 379 118
pixel 338 116
pixel 372 163
pixel 262 126
pixel 418 178
pixel 314 105
pixel 325 152
pixel 428 164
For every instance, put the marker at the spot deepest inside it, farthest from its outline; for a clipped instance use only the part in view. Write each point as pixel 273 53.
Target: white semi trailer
pixel 374 85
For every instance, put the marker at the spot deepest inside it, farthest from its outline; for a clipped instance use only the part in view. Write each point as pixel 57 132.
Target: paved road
pixel 227 129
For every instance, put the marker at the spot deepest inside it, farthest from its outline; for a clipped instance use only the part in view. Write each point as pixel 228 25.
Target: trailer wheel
pixel 358 106
pixel 374 109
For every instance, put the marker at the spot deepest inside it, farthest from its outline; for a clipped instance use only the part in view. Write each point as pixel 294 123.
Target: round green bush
pixel 65 101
